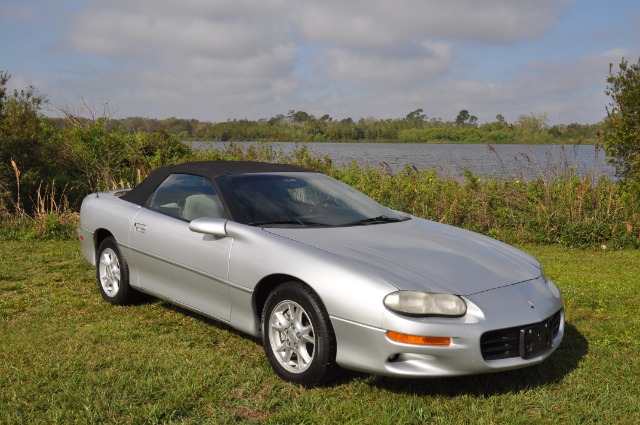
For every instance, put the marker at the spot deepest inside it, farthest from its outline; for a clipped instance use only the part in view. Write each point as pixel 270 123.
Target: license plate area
pixel 535 340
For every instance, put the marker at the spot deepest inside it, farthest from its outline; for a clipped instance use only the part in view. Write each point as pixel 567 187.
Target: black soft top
pixel 209 169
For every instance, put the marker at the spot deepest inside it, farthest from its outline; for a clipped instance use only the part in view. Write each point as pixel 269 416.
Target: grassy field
pixel 66 356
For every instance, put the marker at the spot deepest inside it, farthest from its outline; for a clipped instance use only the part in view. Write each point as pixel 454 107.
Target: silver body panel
pixel 176 263
pixel 352 269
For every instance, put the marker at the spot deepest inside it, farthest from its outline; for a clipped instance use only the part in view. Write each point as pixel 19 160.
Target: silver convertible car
pixel 324 275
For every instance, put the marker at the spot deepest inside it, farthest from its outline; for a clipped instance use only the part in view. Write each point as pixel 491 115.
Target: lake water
pixel 508 161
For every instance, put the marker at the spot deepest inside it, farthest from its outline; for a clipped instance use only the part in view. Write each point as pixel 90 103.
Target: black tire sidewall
pixel 323 364
pixel 125 292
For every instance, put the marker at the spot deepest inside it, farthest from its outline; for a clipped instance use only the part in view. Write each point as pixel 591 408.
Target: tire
pixel 297 335
pixel 112 273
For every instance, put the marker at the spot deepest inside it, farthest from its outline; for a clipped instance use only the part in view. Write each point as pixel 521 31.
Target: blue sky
pixel 215 60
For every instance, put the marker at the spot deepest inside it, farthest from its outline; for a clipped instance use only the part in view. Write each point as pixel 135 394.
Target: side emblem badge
pixel 530 304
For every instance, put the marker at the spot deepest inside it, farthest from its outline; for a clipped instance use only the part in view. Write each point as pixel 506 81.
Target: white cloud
pixel 220 59
pixel 158 30
pixel 366 68
pixel 365 23
pixel 192 57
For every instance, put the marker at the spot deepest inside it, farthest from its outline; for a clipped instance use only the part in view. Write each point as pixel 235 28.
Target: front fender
pixel 348 291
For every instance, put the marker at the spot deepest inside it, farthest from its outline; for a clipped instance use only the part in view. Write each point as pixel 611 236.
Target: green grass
pixel 66 356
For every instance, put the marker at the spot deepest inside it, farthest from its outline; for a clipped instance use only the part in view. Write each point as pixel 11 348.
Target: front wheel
pixel 112 273
pixel 297 335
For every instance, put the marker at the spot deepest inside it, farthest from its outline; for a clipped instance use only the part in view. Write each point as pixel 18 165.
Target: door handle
pixel 140 227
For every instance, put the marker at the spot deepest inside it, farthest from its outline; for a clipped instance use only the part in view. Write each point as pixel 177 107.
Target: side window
pixel 186 197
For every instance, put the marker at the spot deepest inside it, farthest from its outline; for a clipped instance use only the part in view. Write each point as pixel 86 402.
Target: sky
pixel 215 60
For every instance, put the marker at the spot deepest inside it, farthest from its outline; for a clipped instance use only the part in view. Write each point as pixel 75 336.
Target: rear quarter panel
pixel 104 212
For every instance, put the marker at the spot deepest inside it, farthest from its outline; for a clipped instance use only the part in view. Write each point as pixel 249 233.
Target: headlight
pixel 416 303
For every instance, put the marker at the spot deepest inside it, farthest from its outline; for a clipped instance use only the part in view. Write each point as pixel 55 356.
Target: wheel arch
pixel 100 235
pixel 267 284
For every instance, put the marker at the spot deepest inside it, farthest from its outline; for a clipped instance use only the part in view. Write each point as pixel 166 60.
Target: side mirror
pixel 209 226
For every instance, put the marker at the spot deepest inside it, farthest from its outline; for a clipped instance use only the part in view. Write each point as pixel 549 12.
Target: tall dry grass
pixel 52 217
pixel 561 208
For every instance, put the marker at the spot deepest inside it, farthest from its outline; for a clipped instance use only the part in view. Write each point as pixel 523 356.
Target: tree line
pixel 77 154
pixel 415 127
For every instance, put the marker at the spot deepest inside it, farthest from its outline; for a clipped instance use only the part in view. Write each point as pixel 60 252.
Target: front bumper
pixel 368 349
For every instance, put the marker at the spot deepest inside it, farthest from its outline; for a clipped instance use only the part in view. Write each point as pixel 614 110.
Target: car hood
pixel 423 255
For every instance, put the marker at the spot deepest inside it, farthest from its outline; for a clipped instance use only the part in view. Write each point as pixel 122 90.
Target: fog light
pixel 419 340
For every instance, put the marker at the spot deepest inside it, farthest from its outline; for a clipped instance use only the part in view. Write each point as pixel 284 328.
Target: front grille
pixel 505 343
pixel 555 324
pixel 500 344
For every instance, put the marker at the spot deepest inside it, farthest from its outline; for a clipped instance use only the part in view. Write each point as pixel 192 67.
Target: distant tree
pixel 532 128
pixel 133 124
pixel 555 131
pixel 300 116
pixel 499 124
pixel 276 119
pixel 532 123
pixel 177 126
pixel 416 115
pixel 622 128
pixel 464 118
pixel 201 130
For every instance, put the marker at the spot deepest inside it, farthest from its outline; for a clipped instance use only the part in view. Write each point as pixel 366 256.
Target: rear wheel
pixel 297 335
pixel 112 273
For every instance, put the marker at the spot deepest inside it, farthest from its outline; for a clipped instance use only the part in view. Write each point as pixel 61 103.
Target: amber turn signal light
pixel 419 340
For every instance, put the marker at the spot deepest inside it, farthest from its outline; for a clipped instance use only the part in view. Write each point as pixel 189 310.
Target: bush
pixel 568 210
pixel 456 135
pixel 622 130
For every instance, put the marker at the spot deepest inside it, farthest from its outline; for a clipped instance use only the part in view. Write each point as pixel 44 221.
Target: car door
pixel 175 263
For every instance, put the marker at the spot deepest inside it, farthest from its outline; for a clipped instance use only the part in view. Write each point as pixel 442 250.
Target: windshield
pixel 300 199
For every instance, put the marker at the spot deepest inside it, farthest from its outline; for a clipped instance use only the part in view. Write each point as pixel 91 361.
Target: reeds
pixel 566 209
pixel 50 218
pixel 561 207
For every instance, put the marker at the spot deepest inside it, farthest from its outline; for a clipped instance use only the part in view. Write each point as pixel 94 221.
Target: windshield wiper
pixel 295 222
pixel 376 220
